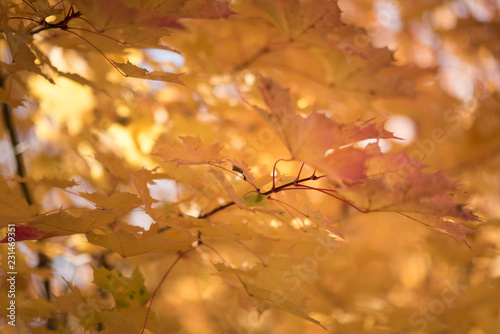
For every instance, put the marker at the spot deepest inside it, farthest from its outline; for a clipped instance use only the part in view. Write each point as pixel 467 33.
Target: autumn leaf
pixel 316 132
pixel 233 231
pixel 77 304
pixel 116 322
pixel 23 232
pixel 5 98
pixel 20 51
pixel 280 303
pixel 345 164
pixel 222 267
pixel 254 199
pixel 119 201
pixel 309 138
pixel 455 230
pixel 128 244
pixel 74 221
pixel 127 291
pixel 207 9
pixel 242 167
pixel 268 190
pixel 191 152
pixel 141 179
pixel 56 183
pixel 130 70
pixel 14 207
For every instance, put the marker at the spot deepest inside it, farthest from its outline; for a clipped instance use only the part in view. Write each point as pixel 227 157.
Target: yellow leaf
pixel 20 51
pixel 191 152
pixel 119 201
pixel 13 206
pixel 115 322
pixel 276 300
pixel 73 221
pixel 126 244
pixel 130 70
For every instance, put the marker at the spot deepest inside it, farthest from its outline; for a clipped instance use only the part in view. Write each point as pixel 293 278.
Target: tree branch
pixel 9 124
pixel 272 191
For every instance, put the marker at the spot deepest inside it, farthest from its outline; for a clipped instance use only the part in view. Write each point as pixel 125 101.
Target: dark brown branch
pixel 9 124
pixel 275 190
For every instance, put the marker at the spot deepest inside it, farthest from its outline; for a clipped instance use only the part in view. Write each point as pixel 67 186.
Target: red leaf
pixel 346 163
pixel 25 233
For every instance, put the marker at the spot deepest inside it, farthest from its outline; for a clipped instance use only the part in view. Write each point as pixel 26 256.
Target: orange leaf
pixel 207 9
pixel 13 207
pixel 73 221
pixel 130 70
pixel 119 201
pixel 454 230
pixel 127 244
pixel 191 152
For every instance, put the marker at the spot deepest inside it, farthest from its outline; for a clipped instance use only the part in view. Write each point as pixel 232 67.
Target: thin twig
pixel 275 190
pixel 158 288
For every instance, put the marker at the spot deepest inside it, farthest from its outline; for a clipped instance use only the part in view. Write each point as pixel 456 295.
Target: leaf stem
pixel 274 170
pixel 253 253
pixel 158 288
pixel 236 174
pixel 284 207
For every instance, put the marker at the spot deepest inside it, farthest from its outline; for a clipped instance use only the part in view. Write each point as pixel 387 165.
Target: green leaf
pixel 255 199
pixel 127 291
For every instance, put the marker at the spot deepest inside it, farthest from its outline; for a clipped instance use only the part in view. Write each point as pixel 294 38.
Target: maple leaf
pixel 254 199
pixel 73 221
pixel 296 19
pixel 119 201
pixel 455 230
pixel 322 221
pixel 283 304
pixel 247 218
pixel 20 51
pixel 118 13
pixel 207 9
pixel 127 291
pixel 57 183
pixel 5 98
pixel 13 206
pixel 345 164
pixel 242 167
pixel 191 152
pixel 130 70
pixel 114 165
pixel 309 138
pixel 141 179
pixel 74 302
pixel 115 322
pixel 128 244
pixel 23 232
pixel 229 231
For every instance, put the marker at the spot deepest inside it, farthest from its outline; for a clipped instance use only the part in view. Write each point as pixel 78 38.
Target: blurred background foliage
pixel 431 68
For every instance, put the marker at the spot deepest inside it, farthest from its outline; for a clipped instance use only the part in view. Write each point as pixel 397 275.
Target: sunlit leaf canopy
pixel 251 166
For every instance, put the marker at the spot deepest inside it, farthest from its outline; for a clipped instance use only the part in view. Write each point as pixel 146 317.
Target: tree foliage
pixel 250 166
